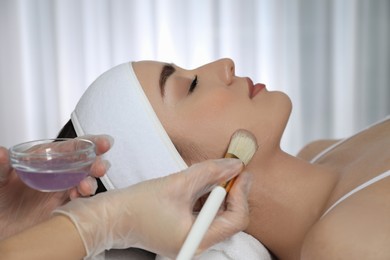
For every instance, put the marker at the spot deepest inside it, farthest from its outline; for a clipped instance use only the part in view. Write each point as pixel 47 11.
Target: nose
pixel 225 70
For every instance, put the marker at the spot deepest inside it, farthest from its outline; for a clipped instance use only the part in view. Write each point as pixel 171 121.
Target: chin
pixel 282 104
pixel 286 110
pixel 273 125
pixel 289 105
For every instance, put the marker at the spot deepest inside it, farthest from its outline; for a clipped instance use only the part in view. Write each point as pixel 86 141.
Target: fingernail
pixel 107 164
pixel 73 195
pixel 92 184
pixel 110 139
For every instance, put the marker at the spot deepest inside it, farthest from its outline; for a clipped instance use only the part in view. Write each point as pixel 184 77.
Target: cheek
pixel 209 122
pixel 211 106
pixel 215 110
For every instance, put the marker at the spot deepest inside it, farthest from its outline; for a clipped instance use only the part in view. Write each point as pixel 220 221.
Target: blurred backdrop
pixel 332 57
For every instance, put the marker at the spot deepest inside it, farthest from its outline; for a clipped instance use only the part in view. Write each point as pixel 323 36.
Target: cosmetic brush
pixel 243 146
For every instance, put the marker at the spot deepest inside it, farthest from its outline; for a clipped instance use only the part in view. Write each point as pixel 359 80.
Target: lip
pixel 254 89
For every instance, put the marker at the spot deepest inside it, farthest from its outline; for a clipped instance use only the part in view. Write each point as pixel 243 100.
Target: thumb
pixel 203 176
pixel 103 142
pixel 5 168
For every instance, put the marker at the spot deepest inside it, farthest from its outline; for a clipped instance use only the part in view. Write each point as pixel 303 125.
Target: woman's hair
pixel 68 131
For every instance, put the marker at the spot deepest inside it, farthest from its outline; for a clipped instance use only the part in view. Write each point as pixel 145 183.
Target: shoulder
pixel 330 242
pixel 309 151
pixel 358 228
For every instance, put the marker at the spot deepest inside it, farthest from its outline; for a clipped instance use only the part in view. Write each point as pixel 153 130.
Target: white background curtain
pixel 332 57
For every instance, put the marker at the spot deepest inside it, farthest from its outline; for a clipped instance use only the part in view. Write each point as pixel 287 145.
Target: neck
pixel 289 195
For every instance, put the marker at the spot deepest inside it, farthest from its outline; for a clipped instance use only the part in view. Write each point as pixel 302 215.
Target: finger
pixel 99 167
pixel 237 207
pixel 213 172
pixel 241 188
pixel 236 216
pixel 87 186
pixel 73 194
pixel 103 142
pixel 237 199
pixel 5 168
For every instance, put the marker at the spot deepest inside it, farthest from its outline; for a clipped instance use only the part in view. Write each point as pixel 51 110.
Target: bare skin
pixel 359 226
pixel 289 194
pixel 292 207
pixel 308 152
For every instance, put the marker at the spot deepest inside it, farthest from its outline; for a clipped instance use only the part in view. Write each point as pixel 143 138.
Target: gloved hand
pixel 22 207
pixel 156 215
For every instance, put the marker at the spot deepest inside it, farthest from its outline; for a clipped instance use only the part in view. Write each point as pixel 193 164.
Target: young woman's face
pixel 208 104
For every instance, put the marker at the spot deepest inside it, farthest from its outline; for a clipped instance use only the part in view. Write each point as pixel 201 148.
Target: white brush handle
pixel 202 223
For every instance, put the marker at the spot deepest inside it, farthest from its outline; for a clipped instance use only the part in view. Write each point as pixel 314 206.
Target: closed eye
pixel 193 85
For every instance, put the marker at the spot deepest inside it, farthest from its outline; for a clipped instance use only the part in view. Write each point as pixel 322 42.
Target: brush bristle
pixel 243 145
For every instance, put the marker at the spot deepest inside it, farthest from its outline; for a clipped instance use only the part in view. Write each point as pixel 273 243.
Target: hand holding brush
pixel 243 146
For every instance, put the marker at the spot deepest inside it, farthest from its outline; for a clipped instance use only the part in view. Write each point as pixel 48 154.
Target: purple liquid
pixel 52 181
pixel 53 176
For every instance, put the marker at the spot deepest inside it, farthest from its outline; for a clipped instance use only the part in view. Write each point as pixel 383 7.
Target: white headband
pixel 116 104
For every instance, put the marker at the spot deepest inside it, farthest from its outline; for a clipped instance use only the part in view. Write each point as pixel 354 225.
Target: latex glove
pixel 156 215
pixel 22 207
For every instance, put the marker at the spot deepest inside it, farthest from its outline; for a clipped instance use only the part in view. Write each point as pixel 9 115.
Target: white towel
pixel 116 104
pixel 238 247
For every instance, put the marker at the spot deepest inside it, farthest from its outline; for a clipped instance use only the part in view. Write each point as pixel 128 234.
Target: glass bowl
pixel 53 164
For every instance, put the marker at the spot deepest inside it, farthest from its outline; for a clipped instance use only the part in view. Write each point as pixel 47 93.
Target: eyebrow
pixel 166 71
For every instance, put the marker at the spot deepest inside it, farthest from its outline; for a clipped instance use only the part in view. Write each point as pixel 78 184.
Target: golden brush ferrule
pixel 227 185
